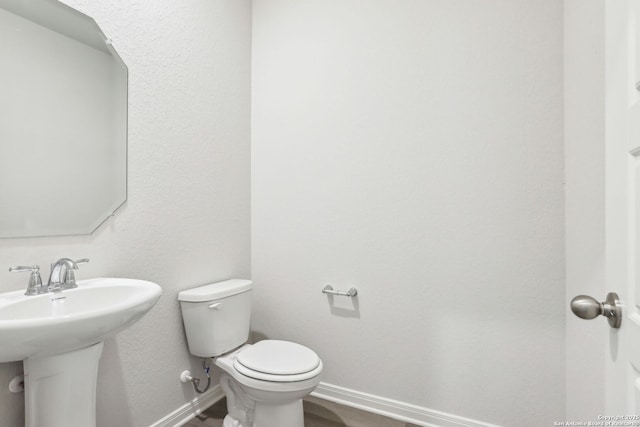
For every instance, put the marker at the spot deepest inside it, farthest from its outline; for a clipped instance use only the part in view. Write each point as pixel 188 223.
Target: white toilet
pixel 265 382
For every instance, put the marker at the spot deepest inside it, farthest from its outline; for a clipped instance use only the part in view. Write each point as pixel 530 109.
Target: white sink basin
pixel 60 322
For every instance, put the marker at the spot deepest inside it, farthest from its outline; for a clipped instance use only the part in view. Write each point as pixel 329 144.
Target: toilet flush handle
pixel 215 305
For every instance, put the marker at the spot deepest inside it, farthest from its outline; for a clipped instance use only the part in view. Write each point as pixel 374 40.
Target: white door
pixel 622 136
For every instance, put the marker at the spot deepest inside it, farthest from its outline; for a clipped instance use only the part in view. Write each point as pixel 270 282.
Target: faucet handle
pixel 69 279
pixel 24 268
pixel 35 281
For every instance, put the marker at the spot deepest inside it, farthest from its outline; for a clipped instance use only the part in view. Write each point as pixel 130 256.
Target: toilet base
pixel 229 421
pixel 285 415
pixel 245 411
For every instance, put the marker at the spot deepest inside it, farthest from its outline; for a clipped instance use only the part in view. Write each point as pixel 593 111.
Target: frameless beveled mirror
pixel 63 121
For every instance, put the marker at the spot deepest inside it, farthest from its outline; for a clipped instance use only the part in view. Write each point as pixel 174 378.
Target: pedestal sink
pixel 59 336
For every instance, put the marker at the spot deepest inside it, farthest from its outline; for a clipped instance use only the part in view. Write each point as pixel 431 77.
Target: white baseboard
pixel 367 402
pixel 393 409
pixel 189 410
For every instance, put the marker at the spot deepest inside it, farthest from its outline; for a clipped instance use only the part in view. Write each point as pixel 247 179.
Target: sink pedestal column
pixel 60 390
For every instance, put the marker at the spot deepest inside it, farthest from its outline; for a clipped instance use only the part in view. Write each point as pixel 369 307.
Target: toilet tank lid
pixel 214 291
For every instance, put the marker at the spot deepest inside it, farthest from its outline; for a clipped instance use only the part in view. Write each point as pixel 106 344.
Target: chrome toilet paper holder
pixel 352 292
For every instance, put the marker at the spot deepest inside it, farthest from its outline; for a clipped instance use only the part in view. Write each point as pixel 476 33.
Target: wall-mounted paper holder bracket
pixel 329 290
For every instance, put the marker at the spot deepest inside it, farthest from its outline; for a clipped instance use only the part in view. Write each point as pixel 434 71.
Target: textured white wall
pixel 414 150
pixel 584 205
pixel 187 218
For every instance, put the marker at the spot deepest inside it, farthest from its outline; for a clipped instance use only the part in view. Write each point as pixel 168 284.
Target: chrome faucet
pixel 62 275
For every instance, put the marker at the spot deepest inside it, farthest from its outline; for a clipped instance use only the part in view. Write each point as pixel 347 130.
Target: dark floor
pixel 317 413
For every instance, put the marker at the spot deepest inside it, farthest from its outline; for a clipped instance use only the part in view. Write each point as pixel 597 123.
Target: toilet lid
pixel 276 357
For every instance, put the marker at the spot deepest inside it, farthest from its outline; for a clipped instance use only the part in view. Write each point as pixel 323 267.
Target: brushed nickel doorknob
pixel 587 307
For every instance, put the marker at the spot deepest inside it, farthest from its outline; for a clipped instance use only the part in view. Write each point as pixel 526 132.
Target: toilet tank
pixel 216 317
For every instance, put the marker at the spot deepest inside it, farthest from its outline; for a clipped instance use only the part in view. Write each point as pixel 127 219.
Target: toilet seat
pixel 278 361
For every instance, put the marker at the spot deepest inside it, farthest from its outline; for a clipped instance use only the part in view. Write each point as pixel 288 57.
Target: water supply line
pixel 185 376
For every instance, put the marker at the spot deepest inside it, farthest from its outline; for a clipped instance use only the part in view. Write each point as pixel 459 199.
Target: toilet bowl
pixel 269 391
pixel 264 383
